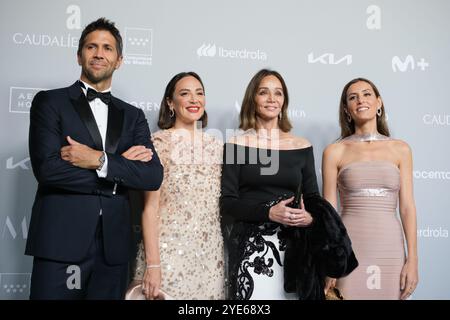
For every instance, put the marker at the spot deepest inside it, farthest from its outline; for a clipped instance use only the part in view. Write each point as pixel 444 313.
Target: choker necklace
pixel 366 137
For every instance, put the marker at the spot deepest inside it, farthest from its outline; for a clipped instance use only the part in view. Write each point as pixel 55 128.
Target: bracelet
pixel 151 266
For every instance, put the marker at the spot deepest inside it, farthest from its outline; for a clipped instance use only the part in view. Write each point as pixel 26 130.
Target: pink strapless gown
pixel 368 200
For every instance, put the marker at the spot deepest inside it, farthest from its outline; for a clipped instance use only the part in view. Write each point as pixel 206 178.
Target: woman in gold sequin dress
pixel 373 174
pixel 182 248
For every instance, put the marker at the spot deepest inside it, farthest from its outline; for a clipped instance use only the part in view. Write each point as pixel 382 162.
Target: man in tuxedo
pixel 87 149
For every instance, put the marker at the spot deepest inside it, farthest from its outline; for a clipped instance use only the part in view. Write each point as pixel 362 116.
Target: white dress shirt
pixel 100 111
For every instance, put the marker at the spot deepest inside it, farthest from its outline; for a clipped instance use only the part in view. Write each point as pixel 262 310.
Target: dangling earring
pixel 379 112
pixel 171 113
pixel 279 116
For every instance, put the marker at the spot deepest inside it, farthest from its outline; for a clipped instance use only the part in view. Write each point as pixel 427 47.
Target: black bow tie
pixel 104 96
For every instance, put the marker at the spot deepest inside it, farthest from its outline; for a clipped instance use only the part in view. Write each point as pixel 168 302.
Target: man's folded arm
pixel 45 142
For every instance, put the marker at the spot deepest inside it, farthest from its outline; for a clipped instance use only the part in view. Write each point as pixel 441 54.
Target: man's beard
pixel 97 78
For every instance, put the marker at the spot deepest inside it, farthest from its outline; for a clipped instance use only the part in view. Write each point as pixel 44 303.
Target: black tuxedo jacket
pixel 68 200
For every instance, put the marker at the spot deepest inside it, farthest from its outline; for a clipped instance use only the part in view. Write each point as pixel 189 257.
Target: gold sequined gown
pixel 190 240
pixel 369 197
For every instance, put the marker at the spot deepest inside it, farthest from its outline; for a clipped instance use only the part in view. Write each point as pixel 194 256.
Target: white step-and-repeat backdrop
pixel 403 46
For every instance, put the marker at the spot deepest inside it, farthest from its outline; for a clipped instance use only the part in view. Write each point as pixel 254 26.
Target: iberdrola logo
pixel 211 50
pixel 207 50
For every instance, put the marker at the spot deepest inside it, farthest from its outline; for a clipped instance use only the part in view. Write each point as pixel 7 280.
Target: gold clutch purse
pixel 334 294
pixel 135 293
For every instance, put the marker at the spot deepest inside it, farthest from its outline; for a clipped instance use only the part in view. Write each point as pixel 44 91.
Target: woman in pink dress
pixel 373 175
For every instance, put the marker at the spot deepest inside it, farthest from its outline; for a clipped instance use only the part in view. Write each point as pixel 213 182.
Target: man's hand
pixel 80 155
pixel 138 153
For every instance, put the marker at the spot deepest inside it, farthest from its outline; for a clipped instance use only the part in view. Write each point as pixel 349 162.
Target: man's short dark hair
pixel 101 24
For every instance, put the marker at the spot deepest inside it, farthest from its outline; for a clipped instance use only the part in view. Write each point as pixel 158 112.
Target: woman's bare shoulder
pixel 246 139
pixel 300 142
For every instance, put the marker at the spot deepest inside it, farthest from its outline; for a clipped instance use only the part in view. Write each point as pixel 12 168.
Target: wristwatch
pixel 101 160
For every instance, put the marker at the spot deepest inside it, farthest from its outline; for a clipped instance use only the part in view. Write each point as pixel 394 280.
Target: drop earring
pixel 349 117
pixel 379 112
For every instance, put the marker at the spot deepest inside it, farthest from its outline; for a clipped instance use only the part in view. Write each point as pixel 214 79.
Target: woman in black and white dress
pixel 262 164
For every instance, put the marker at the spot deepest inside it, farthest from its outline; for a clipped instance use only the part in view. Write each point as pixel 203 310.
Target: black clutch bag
pixel 294 204
pixel 297 198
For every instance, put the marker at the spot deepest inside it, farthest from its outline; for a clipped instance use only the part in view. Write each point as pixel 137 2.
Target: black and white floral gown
pixel 260 274
pixel 255 245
